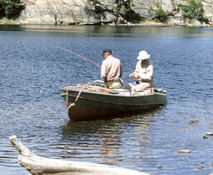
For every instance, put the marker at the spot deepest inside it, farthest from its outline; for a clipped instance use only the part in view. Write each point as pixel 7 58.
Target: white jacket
pixel 145 73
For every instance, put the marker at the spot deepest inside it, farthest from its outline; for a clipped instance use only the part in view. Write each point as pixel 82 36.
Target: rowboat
pixel 38 165
pixel 94 101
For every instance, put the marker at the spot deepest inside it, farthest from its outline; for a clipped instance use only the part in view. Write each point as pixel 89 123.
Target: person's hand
pixel 137 76
pixel 134 75
pixel 131 75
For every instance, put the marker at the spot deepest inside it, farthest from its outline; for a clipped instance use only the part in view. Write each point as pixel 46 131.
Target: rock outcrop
pixel 57 12
pixel 69 12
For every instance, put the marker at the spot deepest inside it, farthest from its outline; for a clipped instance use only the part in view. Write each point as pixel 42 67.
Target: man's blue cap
pixel 107 50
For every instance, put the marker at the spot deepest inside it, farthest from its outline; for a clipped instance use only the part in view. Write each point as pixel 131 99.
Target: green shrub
pixel 132 16
pixel 194 10
pixel 10 9
pixel 161 15
pixel 122 10
pixel 128 14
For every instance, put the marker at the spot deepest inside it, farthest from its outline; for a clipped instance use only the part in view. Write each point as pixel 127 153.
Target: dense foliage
pixel 194 10
pixel 161 15
pixel 123 9
pixel 10 9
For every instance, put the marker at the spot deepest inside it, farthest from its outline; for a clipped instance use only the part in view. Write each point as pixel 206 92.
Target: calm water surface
pixel 33 70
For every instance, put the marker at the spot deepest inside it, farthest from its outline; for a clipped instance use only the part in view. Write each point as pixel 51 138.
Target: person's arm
pixel 103 70
pixel 136 73
pixel 149 75
pixel 138 67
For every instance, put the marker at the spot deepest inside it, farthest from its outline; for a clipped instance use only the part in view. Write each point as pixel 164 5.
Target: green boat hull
pixel 86 104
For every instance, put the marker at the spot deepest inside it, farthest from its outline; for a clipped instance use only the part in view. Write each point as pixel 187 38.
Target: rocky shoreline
pixel 147 23
pixel 114 12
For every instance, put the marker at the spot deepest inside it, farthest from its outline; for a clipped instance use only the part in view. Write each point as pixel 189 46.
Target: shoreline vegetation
pixel 123 14
pixel 5 21
pixel 144 23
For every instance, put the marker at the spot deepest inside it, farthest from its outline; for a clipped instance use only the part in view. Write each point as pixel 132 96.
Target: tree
pixel 194 10
pixel 124 9
pixel 161 15
pixel 10 9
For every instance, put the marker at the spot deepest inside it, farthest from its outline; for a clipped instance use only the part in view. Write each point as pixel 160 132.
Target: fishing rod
pixel 82 57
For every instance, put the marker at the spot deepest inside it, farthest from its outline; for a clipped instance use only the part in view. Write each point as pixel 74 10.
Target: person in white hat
pixel 143 72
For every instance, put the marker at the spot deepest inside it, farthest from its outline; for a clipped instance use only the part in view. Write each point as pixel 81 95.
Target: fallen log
pixel 37 165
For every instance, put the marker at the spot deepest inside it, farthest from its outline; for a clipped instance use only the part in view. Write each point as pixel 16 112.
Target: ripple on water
pixel 33 70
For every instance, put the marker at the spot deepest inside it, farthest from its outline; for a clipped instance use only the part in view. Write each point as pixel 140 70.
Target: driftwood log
pixel 37 165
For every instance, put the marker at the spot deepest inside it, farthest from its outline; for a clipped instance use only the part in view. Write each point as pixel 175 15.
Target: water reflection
pixel 30 62
pixel 149 32
pixel 95 138
pixel 109 147
pixel 108 141
pixel 108 29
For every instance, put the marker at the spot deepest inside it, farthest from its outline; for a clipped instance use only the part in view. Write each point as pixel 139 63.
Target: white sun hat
pixel 143 55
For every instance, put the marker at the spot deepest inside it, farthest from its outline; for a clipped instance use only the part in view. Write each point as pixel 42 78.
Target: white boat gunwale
pixel 75 89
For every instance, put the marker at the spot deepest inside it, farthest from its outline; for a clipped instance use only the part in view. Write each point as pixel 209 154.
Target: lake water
pixel 33 69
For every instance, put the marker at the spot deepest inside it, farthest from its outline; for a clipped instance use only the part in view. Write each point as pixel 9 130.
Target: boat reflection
pixel 108 141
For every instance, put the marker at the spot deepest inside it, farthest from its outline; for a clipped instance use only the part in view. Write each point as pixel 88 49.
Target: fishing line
pixel 82 57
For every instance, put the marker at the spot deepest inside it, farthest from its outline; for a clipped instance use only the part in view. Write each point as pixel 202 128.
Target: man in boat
pixel 143 72
pixel 111 70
